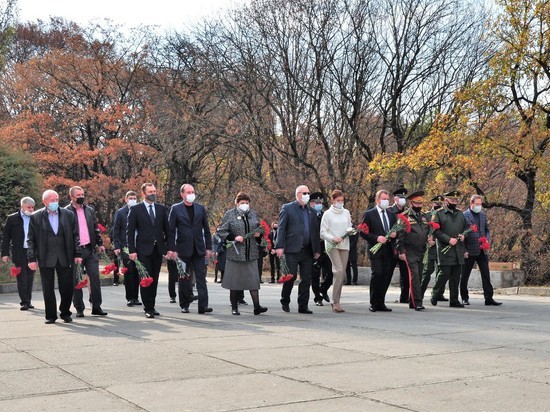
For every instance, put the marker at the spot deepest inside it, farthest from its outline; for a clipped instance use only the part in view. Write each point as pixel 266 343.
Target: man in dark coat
pixel 54 246
pixel 450 233
pixel 147 234
pixel 475 253
pixel 298 239
pixel 321 272
pixel 379 221
pixel 190 240
pixel 120 222
pixel 14 239
pixel 90 239
pixel 398 207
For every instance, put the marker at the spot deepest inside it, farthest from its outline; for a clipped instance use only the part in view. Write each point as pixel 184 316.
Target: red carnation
pixel 82 283
pixel 102 229
pixel 434 225
pixel 124 270
pixel 146 282
pixel 285 278
pixel 216 262
pixel 364 228
pixel 474 228
pixel 406 223
pixel 14 271
pixel 484 243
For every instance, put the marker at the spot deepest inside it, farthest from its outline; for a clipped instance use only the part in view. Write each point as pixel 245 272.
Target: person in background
pixel 352 260
pixel 334 225
pixel 14 240
pixel 321 272
pixel 398 207
pixel 476 253
pixel 274 264
pixel 241 266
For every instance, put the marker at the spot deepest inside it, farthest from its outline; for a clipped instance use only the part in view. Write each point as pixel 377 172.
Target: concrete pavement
pixel 477 358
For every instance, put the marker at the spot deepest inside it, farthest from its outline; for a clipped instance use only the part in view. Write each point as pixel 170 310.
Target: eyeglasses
pixel 305 193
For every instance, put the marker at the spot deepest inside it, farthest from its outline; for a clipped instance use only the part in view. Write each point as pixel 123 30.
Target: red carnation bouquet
pixel 472 228
pixel 102 229
pixel 401 224
pixel 286 275
pixel 433 227
pixel 145 279
pixel 81 278
pixel 265 236
pixel 363 228
pixel 484 243
pixel 15 271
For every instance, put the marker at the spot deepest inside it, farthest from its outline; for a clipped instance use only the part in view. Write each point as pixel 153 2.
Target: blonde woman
pixel 335 223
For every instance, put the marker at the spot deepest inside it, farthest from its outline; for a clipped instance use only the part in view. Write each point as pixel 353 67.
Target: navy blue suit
pixel 131 278
pixel 298 250
pixel 191 239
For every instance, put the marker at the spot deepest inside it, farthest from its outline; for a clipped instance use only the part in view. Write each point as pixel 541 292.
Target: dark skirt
pixel 241 275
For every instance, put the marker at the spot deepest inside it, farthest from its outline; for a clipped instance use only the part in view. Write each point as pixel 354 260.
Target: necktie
pixel 385 222
pixel 152 214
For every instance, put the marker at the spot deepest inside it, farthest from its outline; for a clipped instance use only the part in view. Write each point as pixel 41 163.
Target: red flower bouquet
pixel 102 229
pixel 81 278
pixel 472 228
pixel 286 276
pixel 401 224
pixel 484 243
pixel 363 228
pixel 15 271
pixel 145 279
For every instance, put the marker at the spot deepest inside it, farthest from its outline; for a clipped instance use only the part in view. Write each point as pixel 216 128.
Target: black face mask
pixel 437 207
pixel 451 206
pixel 80 200
pixel 151 198
pixel 417 209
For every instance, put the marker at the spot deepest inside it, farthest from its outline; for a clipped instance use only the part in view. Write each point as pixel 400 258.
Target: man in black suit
pixel 298 239
pixel 88 233
pixel 191 241
pixel 15 238
pixel 131 277
pixel 54 246
pixel 380 220
pixel 147 233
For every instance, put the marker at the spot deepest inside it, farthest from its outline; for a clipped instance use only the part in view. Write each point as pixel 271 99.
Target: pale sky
pixel 169 14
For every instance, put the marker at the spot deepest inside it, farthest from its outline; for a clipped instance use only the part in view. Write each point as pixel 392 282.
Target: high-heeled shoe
pixel 259 309
pixel 337 308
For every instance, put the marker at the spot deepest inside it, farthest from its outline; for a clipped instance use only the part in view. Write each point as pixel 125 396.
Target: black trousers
pixel 352 268
pixel 482 261
pixel 197 265
pixel 403 279
pixel 25 281
pixel 152 263
pixel 173 277
pixel 380 278
pixel 274 266
pixel 90 262
pixel 304 261
pixel 131 279
pixel 66 287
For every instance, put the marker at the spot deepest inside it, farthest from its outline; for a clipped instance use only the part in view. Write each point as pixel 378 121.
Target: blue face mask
pixel 318 207
pixel 53 206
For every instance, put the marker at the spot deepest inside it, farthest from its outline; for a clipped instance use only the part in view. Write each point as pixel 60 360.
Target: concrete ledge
pixel 12 287
pixel 525 290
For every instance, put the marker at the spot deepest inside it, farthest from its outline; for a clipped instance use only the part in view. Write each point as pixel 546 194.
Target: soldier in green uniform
pixel 412 245
pixel 452 224
pixel 437 203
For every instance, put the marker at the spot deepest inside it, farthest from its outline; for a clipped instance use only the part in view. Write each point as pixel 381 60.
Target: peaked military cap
pixel 316 197
pixel 452 193
pixel 438 198
pixel 400 192
pixel 416 196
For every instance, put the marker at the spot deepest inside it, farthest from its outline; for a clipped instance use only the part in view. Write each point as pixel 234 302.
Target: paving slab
pixel 478 358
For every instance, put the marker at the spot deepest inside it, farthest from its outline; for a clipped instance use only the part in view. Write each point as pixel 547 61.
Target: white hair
pixel 48 193
pixel 27 201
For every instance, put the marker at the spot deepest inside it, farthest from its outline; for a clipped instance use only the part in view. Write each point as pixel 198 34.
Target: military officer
pixel 398 207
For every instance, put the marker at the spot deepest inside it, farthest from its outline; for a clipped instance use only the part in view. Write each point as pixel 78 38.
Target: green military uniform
pixel 413 245
pixel 432 265
pixel 452 223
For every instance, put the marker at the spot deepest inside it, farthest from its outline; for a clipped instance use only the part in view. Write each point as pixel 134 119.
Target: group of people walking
pixel 307 242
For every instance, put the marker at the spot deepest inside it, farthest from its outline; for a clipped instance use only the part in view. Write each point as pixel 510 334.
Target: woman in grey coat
pixel 241 267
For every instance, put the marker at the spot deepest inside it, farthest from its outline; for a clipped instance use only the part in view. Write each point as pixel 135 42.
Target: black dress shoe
pixel 235 312
pixel 419 308
pixel 259 309
pixel 325 296
pixel 49 321
pixel 24 306
pixel 433 301
pixel 172 300
pixel 456 305
pixel 354 283
pixel 130 303
pixel 31 306
pixel 372 308
pixel 205 310
pixel 285 307
pixel 318 303
pixel 465 302
pixel 492 302
pixel 384 308
pixel 67 319
pixel 149 315
pixel 99 312
pixel 242 302
pixel 184 310
pixel 155 312
pixel 442 299
pixel 80 314
pixel 137 302
pixel 305 310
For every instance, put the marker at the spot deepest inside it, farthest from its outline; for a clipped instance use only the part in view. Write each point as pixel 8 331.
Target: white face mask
pixel 132 202
pixel 402 201
pixel 244 207
pixel 476 208
pixel 384 204
pixel 339 205
pixel 190 198
pixel 305 198
pixel 26 212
